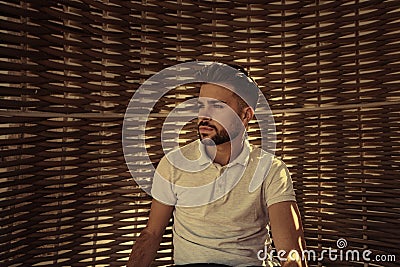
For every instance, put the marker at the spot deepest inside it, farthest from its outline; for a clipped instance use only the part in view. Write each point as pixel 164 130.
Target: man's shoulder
pixel 265 158
pixel 187 152
pixel 257 152
pixel 190 151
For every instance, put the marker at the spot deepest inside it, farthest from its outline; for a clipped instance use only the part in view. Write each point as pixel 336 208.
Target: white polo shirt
pixel 221 213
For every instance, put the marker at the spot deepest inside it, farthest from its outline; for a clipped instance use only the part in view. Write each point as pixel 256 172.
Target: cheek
pixel 227 120
pixel 222 117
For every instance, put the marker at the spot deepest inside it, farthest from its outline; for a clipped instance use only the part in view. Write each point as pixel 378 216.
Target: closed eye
pixel 218 106
pixel 200 105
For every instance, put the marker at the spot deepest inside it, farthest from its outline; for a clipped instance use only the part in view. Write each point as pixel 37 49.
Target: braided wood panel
pixel 329 69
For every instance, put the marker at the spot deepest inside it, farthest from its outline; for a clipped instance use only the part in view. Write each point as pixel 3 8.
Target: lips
pixel 206 129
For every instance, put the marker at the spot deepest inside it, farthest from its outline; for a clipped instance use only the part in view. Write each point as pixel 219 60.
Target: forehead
pixel 216 91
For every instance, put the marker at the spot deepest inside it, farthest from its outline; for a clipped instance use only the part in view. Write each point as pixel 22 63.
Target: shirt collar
pixel 241 159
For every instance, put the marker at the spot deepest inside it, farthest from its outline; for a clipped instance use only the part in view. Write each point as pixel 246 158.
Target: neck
pixel 226 152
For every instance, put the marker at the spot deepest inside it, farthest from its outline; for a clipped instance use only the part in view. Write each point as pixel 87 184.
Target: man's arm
pixel 145 248
pixel 287 231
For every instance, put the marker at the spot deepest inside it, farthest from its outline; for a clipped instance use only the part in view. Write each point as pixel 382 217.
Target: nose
pixel 204 113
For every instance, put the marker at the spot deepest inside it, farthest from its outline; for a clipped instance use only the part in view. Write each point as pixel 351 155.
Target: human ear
pixel 247 114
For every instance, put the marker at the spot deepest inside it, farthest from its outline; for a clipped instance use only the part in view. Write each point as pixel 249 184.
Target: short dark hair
pixel 233 76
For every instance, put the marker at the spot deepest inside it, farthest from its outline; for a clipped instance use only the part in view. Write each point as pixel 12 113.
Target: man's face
pixel 219 119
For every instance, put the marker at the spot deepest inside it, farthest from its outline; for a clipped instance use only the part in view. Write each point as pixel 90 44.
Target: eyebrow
pixel 211 101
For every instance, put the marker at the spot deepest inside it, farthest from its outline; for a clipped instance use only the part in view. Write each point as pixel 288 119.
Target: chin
pixel 207 142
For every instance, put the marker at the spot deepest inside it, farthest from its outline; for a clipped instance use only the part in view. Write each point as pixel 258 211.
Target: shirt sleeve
pixel 278 185
pixel 162 187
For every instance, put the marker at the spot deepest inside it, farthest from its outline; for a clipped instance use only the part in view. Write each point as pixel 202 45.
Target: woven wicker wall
pixel 329 69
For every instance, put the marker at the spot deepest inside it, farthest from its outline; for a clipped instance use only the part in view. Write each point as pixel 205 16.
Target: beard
pixel 219 138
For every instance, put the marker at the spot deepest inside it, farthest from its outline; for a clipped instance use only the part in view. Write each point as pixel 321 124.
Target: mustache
pixel 206 123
